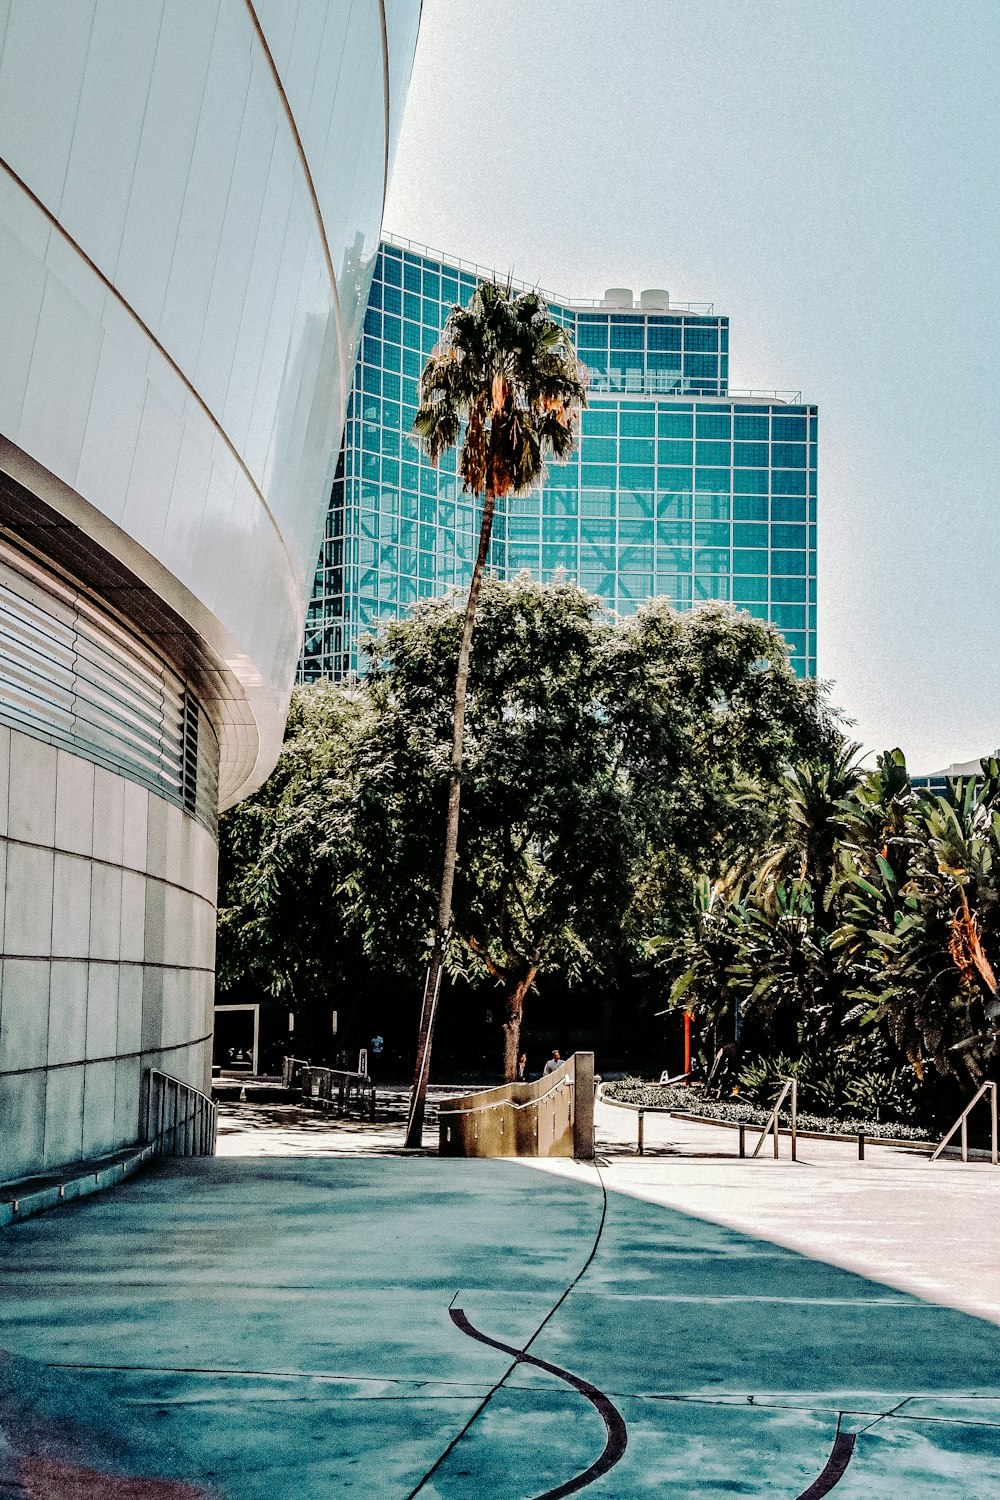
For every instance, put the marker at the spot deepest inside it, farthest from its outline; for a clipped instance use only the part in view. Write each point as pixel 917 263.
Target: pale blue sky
pixel 827 174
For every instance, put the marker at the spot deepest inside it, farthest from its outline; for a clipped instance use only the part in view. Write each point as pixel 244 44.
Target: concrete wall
pixel 551 1116
pixel 107 900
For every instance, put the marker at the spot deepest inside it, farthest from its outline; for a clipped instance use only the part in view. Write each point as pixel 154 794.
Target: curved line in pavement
pixel 836 1466
pixel 610 1415
pixel 519 1355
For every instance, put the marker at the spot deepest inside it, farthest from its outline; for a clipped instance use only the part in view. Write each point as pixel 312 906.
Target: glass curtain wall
pixel 678 487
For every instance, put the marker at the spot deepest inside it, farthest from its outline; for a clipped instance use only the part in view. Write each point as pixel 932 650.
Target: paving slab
pixel 927 1228
pixel 339 1324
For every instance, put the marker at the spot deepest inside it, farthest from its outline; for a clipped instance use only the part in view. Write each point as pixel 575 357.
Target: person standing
pixel 553 1063
pixel 522 1068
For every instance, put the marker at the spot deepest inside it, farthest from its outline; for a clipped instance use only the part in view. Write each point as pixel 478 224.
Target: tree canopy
pixel 607 761
pixel 865 943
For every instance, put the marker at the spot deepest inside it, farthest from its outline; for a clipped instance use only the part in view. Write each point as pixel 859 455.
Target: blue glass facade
pixel 678 488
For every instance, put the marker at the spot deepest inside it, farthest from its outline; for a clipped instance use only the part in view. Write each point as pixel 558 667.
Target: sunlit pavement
pixel 282 1326
pixel 249 1129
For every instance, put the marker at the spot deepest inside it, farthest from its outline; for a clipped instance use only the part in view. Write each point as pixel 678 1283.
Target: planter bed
pixel 754 1117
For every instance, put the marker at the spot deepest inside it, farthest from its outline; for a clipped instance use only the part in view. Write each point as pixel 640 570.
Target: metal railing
pixel 671 383
pixel 786 398
pixel 653 383
pixel 176 1119
pixel 601 304
pixel 962 1123
pixel 291 1071
pixel 490 273
pixel 772 1124
pixel 326 1087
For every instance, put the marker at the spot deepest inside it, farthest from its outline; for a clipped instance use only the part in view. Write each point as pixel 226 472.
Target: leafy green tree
pixel 507 371
pixel 714 718
pixel 545 877
pixel 869 934
pixel 605 760
pixel 811 846
pixel 287 924
pixel 786 976
pixel 701 958
pixel 786 973
pixel 767 937
pixel 601 758
pixel 921 918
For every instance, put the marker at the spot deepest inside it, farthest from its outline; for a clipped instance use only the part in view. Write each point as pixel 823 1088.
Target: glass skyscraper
pixel 679 487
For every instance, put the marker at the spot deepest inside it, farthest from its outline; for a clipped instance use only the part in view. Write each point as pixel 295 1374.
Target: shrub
pixel 883 1095
pixel 743 1111
pixel 763 1080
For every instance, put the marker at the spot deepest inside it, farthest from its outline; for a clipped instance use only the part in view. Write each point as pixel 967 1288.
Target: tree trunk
pixel 512 1026
pixel 432 982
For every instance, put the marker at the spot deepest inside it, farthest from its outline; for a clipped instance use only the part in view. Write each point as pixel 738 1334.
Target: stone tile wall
pixel 107 913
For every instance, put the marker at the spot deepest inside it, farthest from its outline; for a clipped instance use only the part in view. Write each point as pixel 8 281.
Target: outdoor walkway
pixel 250 1129
pixel 315 1326
pixel 932 1229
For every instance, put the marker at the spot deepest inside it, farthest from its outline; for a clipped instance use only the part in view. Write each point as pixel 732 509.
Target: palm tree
pixel 510 373
pixel 818 794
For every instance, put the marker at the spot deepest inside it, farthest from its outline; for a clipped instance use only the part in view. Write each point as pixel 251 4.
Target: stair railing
pixel 962 1123
pixel 177 1119
pixel 772 1124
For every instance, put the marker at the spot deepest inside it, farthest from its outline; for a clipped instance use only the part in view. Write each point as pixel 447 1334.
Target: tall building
pixel 190 202
pixel 938 782
pixel 680 487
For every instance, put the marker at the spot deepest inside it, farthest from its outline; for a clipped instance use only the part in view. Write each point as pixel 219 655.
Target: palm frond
pixel 504 382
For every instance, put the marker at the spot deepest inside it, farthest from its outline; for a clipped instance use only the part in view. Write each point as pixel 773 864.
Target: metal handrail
pixel 289 1067
pixel 184 1121
pixel 772 1124
pixel 963 1123
pixel 319 1084
pixel 477 1109
pixel 786 397
pixel 674 383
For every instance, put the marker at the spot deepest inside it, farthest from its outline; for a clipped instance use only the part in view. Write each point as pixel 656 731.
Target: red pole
pixel 687 1041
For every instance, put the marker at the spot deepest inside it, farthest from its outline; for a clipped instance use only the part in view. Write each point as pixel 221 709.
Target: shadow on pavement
pixel 280 1327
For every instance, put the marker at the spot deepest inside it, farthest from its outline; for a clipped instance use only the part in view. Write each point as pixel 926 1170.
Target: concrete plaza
pixel 288 1325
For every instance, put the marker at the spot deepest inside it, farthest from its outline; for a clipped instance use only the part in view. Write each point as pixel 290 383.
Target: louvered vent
pixel 189 758
pixel 72 675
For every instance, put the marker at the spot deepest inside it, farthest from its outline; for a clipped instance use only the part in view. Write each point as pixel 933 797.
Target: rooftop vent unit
pixel 618 296
pixel 654 298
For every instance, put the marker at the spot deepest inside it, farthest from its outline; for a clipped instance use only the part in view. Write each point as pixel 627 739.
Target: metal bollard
pixel 795 1116
pixel 642 1123
pixel 861 1145
pixel 743 1140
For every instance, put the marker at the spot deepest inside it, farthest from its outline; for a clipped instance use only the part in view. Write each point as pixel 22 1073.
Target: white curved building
pixel 190 202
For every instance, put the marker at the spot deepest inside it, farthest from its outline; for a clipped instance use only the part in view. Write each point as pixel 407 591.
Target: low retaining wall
pixel 29 1198
pixel 554 1116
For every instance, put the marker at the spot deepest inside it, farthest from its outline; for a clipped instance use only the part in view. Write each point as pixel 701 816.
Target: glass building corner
pixel 680 487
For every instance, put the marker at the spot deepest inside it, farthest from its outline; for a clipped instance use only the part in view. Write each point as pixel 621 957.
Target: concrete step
pixel 36 1195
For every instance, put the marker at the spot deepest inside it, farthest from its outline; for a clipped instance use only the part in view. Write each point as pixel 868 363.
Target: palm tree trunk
pixel 512 1025
pixel 432 982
